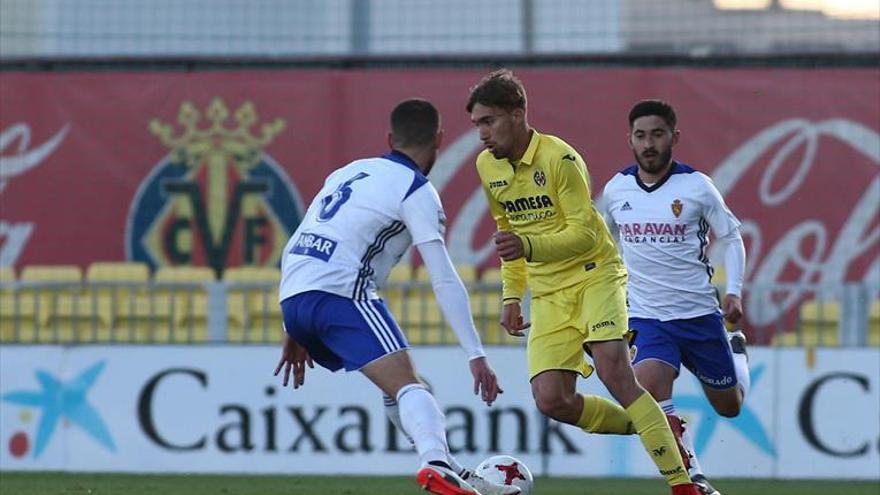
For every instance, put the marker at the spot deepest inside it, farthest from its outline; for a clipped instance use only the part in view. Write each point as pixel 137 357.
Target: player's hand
pixel 733 308
pixel 485 380
pixel 512 320
pixel 293 357
pixel 508 245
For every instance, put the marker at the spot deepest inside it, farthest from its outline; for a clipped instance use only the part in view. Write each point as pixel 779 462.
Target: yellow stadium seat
pixel 874 323
pixel 491 276
pixel 420 274
pixel 468 273
pixel 113 271
pixel 187 300
pixel 126 311
pixel 719 277
pixel 17 317
pixel 819 323
pixel 401 273
pixel 54 292
pixel 7 277
pixel 252 304
pixel 810 338
pixel 396 288
pixel 428 336
pixel 7 304
pixel 485 296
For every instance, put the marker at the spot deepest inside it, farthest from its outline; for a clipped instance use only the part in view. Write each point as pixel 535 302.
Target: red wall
pixel 796 153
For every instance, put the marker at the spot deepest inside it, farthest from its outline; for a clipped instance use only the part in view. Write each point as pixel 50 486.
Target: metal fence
pixel 365 28
pixel 234 312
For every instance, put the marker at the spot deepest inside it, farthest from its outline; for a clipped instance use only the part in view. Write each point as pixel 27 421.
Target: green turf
pixel 112 484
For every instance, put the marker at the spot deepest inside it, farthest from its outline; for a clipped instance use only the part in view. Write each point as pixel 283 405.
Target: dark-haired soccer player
pixel 357 227
pixel 551 238
pixel 663 211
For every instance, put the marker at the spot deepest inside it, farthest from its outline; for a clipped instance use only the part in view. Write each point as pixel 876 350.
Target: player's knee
pixel 728 408
pixel 552 405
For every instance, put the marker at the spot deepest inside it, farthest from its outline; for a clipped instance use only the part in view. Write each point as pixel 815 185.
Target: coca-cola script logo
pixel 799 232
pixel 816 248
pixel 14 162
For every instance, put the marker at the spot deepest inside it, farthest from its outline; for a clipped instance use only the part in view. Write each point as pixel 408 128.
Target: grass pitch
pixel 130 484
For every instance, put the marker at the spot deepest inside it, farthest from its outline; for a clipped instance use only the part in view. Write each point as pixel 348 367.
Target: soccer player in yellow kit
pixel 552 239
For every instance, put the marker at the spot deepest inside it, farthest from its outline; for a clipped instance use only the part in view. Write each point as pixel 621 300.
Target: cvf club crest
pixel 217 199
pixel 676 208
pixel 540 178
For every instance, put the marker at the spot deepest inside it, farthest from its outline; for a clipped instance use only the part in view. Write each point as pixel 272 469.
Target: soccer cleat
pixel 738 342
pixel 487 487
pixel 676 424
pixel 443 481
pixel 703 485
pixel 688 489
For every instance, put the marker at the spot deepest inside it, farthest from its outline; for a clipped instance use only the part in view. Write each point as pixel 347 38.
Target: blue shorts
pixel 341 332
pixel 700 344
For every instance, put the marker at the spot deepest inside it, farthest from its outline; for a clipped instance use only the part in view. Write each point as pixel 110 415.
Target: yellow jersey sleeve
pixel 578 235
pixel 514 274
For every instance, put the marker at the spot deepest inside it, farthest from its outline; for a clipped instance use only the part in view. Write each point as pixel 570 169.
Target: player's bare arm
pixel 512 319
pixel 294 358
pixel 733 310
pixel 508 245
pixel 485 381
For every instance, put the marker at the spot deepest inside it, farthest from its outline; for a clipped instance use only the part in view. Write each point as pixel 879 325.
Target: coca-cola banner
pixel 215 168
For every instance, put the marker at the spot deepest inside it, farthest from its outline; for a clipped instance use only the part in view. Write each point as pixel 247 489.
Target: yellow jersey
pixel 544 198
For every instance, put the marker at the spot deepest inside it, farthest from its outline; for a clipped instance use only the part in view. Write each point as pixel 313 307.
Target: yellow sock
pixel 657 438
pixel 600 415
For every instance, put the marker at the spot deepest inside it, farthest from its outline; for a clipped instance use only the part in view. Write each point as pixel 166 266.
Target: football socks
pixel 657 438
pixel 600 415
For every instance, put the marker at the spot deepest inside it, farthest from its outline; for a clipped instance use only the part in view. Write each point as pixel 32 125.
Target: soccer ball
pixel 507 470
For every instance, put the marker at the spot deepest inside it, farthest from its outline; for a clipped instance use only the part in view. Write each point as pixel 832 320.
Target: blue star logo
pixel 747 423
pixel 64 400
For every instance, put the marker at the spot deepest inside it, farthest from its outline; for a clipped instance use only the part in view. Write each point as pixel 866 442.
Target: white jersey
pixel 663 232
pixel 359 225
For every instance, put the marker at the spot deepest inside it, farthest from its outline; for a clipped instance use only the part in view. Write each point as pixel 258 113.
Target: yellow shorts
pixel 567 319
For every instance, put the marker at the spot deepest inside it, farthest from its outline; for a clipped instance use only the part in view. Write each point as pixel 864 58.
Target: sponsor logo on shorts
pixel 716 382
pixel 602 324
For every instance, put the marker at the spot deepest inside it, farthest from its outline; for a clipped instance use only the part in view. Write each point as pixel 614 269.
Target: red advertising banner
pixel 215 168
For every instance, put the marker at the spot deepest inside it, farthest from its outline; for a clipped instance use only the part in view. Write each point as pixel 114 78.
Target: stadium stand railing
pixel 124 303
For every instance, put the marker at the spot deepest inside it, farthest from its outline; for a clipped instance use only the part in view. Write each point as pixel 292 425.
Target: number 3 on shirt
pixel 331 203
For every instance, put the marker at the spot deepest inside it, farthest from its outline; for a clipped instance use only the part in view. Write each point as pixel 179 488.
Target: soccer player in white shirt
pixel 661 212
pixel 355 230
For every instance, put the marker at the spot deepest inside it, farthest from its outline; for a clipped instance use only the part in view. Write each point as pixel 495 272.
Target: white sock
pixel 392 410
pixel 686 438
pixel 422 420
pixel 741 368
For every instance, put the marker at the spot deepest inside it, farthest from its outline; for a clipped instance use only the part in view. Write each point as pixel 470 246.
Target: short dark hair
pixel 498 89
pixel 659 108
pixel 414 122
